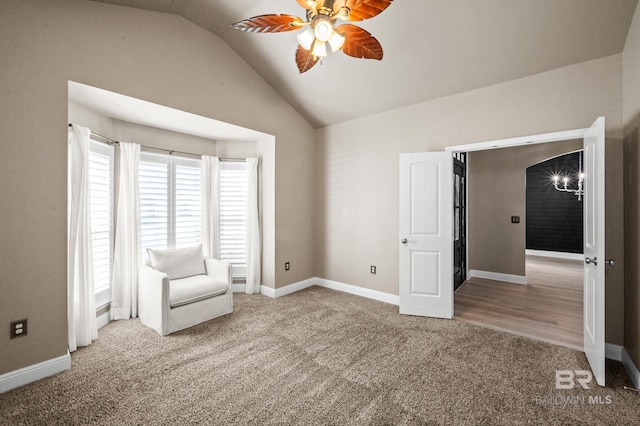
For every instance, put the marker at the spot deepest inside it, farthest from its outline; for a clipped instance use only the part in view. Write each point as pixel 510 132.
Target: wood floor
pixel 548 308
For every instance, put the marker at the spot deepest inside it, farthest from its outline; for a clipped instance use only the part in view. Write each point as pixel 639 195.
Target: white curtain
pixel 81 303
pixel 210 195
pixel 254 247
pixel 126 255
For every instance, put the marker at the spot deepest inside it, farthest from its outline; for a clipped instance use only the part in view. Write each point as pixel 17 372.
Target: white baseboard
pixel 613 352
pixel 516 279
pixel 631 368
pixel 288 289
pixel 268 291
pixel 103 319
pixel 555 254
pixel 380 296
pixel 292 288
pixel 333 285
pixel 21 377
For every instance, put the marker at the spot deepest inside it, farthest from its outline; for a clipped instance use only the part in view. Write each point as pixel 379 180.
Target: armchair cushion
pixel 178 263
pixel 188 290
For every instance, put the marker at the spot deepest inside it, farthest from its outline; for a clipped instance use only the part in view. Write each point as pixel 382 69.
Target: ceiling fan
pixel 321 29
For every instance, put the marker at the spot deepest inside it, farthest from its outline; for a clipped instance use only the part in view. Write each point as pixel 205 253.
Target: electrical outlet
pixel 18 328
pixel 287 266
pixel 373 269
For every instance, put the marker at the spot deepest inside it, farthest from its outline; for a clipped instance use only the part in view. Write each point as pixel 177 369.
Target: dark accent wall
pixel 554 219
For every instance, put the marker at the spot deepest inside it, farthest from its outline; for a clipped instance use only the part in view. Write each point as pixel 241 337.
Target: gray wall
pixel 357 183
pixel 156 57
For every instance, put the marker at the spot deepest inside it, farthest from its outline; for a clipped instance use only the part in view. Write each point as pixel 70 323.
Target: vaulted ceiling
pixel 432 48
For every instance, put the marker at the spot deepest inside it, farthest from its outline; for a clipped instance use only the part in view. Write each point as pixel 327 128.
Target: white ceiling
pixel 432 48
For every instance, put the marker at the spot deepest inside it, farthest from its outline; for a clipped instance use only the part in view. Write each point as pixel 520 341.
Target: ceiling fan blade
pixel 269 24
pixel 359 43
pixel 304 59
pixel 361 9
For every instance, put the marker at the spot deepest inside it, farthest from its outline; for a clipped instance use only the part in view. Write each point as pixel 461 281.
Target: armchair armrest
pixel 153 298
pixel 219 269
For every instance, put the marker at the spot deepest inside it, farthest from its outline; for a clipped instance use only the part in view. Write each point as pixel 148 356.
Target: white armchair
pixel 179 289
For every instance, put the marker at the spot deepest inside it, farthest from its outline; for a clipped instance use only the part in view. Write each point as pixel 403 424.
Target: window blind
pixel 233 215
pixel 169 201
pixel 153 184
pixel 101 205
pixel 187 204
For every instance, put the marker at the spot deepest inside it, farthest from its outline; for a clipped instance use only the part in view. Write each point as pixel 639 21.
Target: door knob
pixel 610 262
pixel 588 260
pixel 404 241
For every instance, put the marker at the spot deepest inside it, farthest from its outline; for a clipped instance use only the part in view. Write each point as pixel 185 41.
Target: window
pixel 187 203
pixel 233 215
pixel 169 201
pixel 154 204
pixel 170 206
pixel 101 205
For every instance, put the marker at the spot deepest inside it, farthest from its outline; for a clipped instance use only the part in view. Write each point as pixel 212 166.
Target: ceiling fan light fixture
pixel 322 28
pixel 336 41
pixel 305 38
pixel 319 49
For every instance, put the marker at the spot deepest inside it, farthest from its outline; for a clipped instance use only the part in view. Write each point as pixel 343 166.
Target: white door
pixel 594 248
pixel 426 234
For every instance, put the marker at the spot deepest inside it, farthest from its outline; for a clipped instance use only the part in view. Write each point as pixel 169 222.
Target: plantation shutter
pixel 169 202
pixel 154 206
pixel 233 215
pixel 101 204
pixel 187 202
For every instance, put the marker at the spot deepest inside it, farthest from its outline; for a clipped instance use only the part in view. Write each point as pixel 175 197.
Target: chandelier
pixel 566 180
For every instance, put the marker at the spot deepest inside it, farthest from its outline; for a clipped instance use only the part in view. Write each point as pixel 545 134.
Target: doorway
pixel 426 246
pixel 549 306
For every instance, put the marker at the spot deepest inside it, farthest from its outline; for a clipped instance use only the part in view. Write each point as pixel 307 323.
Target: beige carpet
pixel 318 357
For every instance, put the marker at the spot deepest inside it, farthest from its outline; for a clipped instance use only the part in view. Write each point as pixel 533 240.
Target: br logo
pixel 566 379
